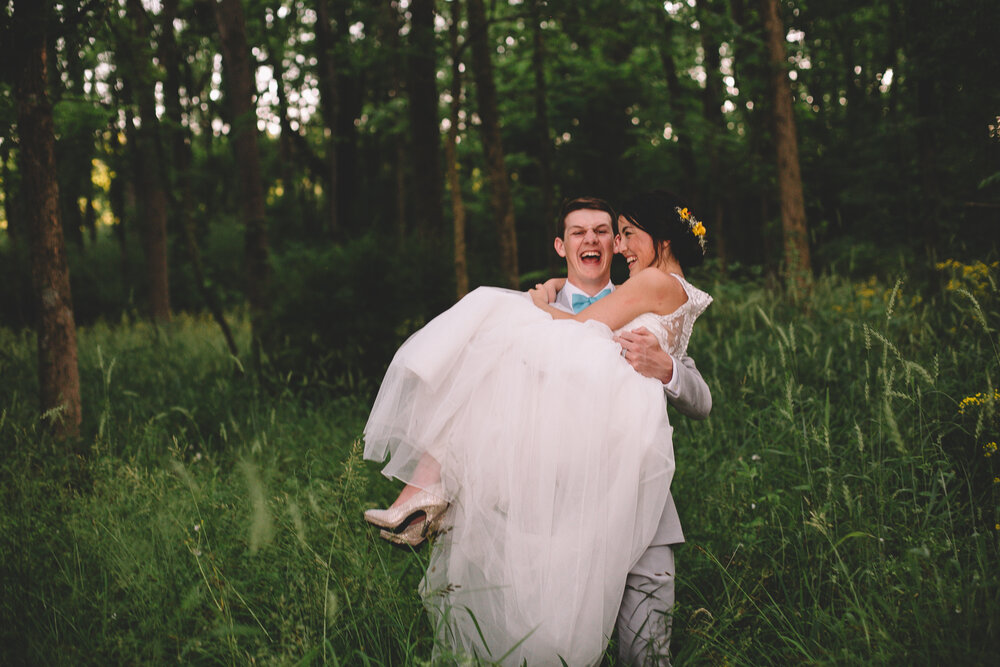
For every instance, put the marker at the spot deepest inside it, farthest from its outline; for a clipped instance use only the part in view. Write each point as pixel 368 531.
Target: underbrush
pixel 208 521
pixel 840 505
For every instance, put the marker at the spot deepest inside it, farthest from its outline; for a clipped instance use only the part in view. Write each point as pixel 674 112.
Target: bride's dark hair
pixel 660 214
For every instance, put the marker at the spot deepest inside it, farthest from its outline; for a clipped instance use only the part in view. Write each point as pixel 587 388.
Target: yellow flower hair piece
pixel 694 224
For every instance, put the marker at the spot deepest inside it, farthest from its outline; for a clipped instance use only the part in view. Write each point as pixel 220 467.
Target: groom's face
pixel 587 244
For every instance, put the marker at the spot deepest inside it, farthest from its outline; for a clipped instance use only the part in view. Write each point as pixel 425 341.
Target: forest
pixel 220 219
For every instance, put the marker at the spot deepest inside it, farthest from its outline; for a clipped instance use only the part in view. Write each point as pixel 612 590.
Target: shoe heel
pixel 412 536
pixel 394 518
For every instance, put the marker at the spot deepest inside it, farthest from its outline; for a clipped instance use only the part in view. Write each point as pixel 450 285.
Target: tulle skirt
pixel 557 458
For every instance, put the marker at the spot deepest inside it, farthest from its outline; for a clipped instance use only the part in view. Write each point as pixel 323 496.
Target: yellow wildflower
pixel 974 277
pixel 989 449
pixel 978 399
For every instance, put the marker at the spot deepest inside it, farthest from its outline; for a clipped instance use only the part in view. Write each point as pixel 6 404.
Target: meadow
pixel 841 504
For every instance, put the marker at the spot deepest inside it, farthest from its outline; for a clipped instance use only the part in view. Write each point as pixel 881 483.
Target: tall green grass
pixel 841 503
pixel 208 520
pixel 838 507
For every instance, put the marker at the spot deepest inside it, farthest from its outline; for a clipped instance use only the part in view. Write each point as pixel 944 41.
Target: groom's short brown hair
pixel 580 203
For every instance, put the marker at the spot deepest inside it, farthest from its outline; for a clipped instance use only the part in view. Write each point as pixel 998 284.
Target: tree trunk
pixel 286 140
pixel 496 169
pixel 919 68
pixel 118 194
pixel 388 23
pixel 297 156
pixel 399 181
pixel 451 155
pixel 73 152
pixel 58 372
pixel 798 266
pixel 180 154
pixel 425 132
pixel 90 218
pixel 329 108
pixel 150 176
pixel 541 95
pixel 14 230
pixel 289 141
pixel 689 178
pixel 712 200
pixel 750 240
pixel 240 90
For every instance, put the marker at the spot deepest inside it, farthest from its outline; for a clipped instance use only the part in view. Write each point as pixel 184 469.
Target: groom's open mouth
pixel 590 257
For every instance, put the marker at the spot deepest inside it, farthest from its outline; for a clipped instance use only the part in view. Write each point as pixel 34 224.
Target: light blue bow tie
pixel 581 301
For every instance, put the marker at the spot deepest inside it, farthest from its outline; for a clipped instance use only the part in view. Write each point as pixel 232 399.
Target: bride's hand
pixel 539 295
pixel 552 287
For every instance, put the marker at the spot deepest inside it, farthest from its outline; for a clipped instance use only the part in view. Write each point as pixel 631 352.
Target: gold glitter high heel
pixel 414 534
pixel 411 536
pixel 398 518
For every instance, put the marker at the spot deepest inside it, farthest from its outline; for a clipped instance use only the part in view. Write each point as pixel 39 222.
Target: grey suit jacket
pixel 692 399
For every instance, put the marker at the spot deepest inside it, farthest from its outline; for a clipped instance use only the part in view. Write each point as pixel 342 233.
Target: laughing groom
pixel 585 238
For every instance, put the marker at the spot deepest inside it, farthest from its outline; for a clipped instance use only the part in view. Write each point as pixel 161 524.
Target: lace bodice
pixel 673 331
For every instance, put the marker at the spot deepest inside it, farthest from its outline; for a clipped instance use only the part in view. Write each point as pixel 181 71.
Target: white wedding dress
pixel 557 459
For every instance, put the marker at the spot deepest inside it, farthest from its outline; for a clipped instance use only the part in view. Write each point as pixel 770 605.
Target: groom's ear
pixel 558 245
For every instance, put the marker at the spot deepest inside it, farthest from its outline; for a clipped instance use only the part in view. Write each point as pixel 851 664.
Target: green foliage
pixel 342 310
pixel 841 503
pixel 209 523
pixel 108 280
pixel 75 117
pixel 837 507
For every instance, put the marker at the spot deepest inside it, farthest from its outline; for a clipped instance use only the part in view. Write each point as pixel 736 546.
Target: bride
pixel 552 456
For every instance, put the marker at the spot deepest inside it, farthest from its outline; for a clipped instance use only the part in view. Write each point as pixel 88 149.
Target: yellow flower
pixel 699 229
pixel 685 213
pixel 978 399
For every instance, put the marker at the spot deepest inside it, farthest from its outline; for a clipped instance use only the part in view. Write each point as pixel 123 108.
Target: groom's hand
pixel 644 353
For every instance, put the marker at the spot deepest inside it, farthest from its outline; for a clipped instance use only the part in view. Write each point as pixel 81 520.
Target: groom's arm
pixel 687 390
pixel 683 385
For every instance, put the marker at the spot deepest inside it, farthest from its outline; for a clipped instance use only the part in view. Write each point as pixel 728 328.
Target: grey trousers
pixel 644 617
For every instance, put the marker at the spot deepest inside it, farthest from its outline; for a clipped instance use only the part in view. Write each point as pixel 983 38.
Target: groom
pixel 585 239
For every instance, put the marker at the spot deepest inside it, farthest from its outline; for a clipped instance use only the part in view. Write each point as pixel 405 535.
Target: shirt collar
pixel 565 297
pixel 572 289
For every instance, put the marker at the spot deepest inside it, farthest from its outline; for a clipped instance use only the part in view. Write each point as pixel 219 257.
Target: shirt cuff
pixel 671 389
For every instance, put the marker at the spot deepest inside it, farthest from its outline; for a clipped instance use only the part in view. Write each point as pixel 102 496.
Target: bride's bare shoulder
pixel 662 282
pixel 664 290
